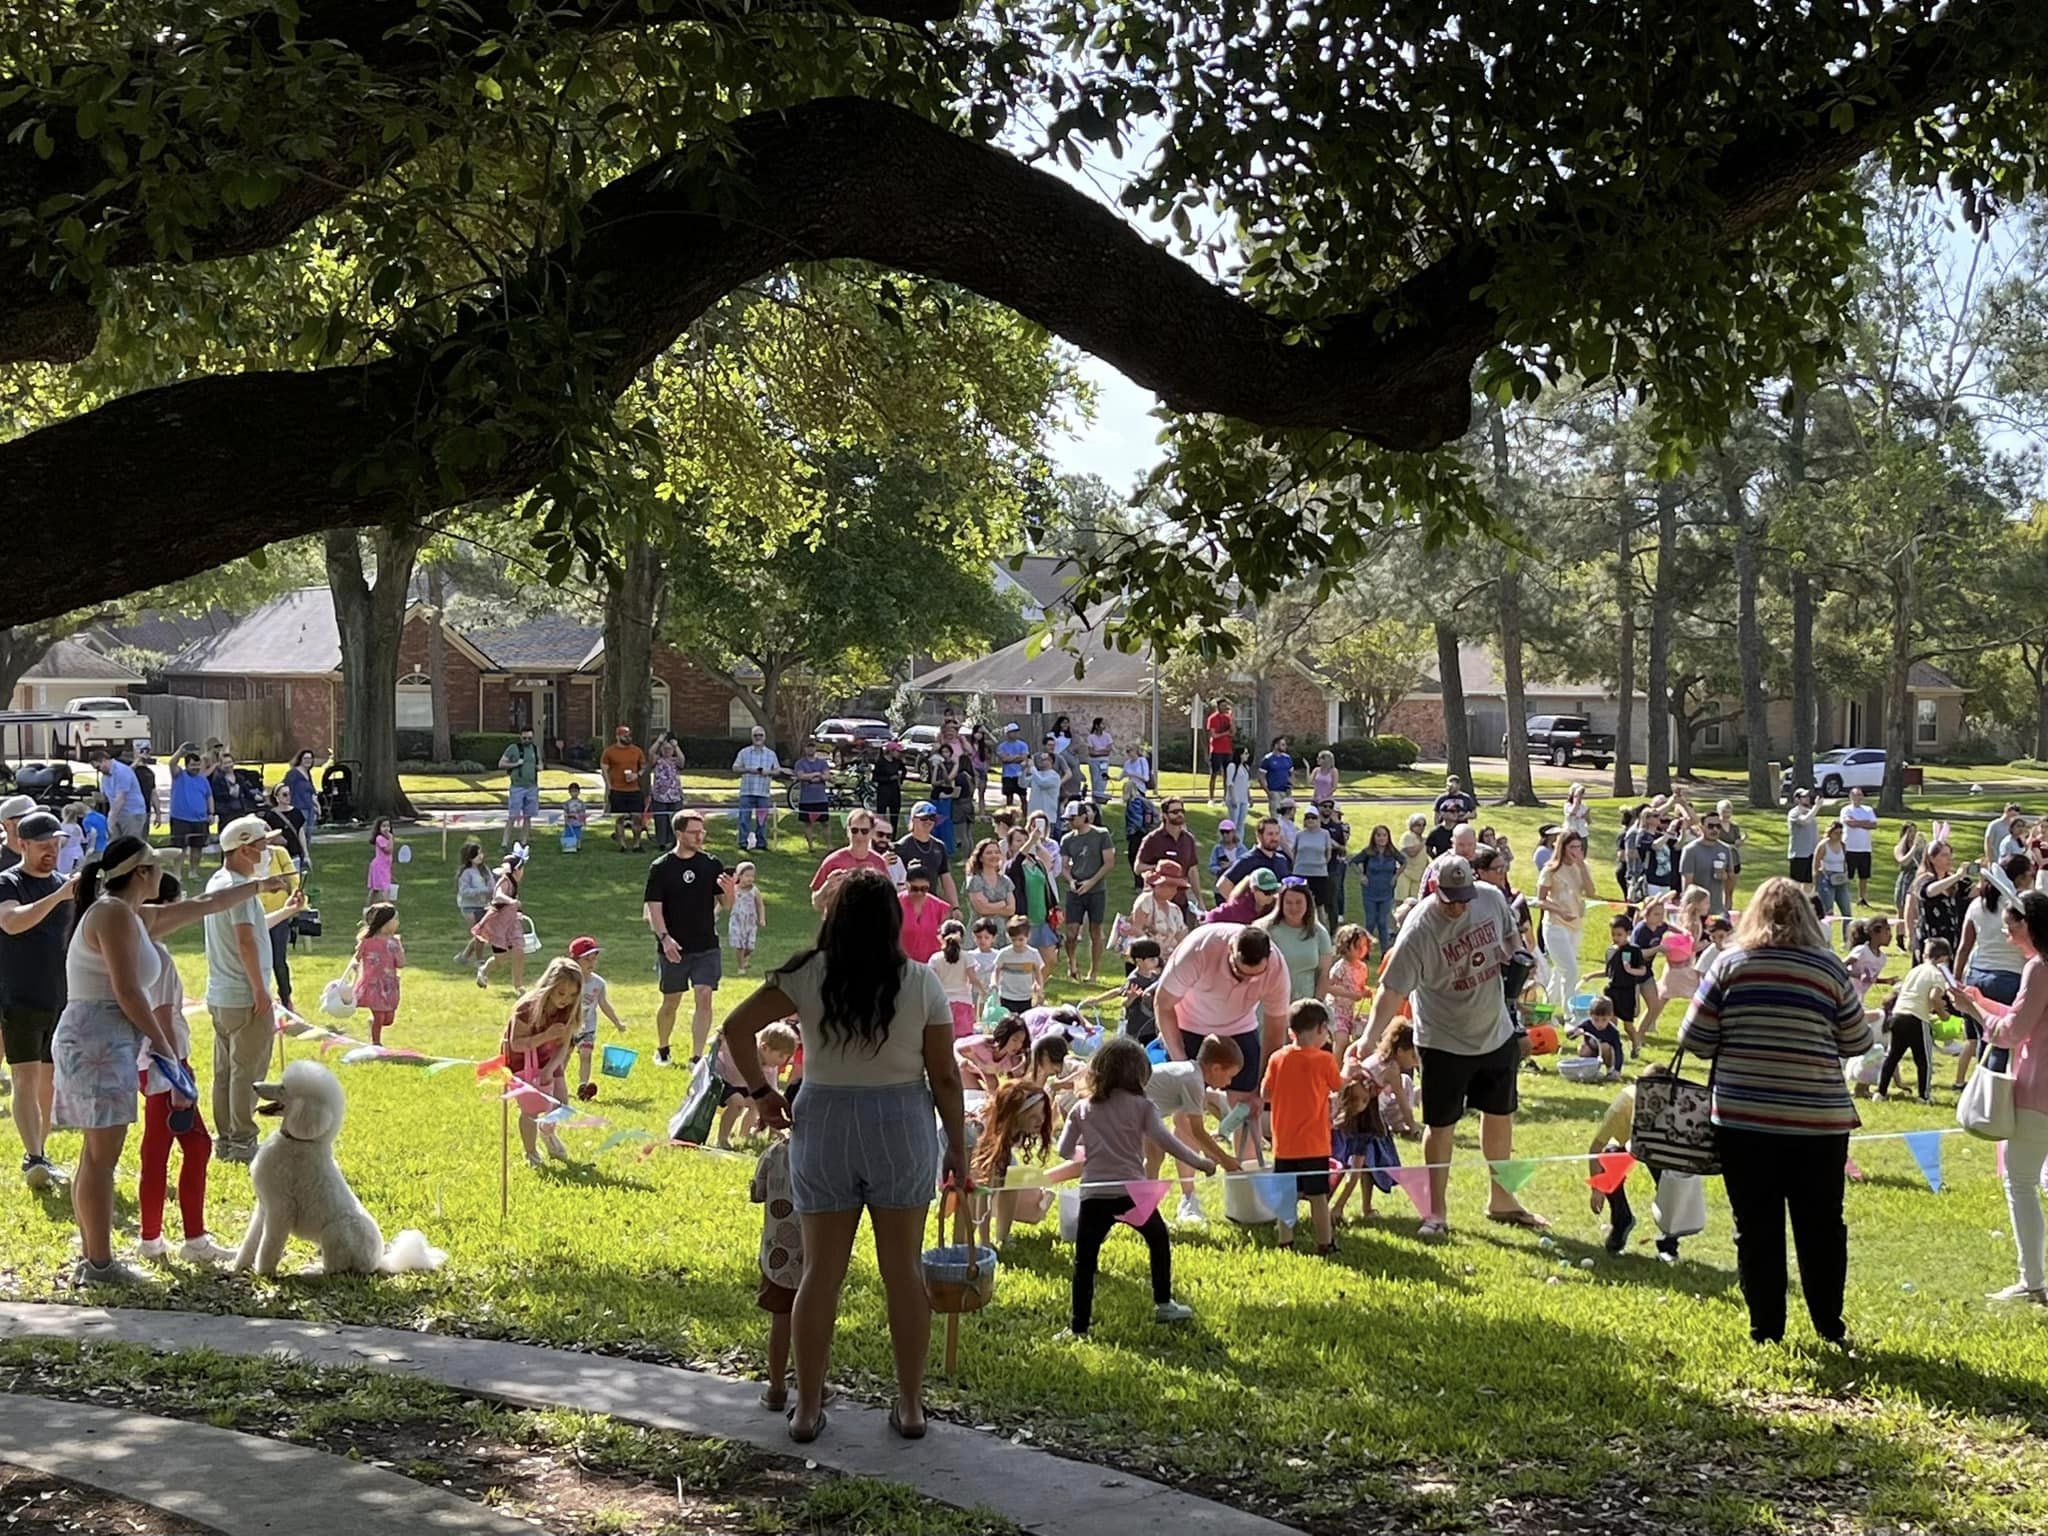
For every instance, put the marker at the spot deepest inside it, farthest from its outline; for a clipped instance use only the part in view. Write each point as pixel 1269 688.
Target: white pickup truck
pixel 110 722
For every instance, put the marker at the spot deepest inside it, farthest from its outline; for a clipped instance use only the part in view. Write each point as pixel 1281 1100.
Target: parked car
pixel 1564 740
pixel 1836 773
pixel 852 733
pixel 111 721
pixel 918 742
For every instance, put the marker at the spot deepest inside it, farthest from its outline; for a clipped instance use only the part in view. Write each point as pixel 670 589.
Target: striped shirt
pixel 1778 1023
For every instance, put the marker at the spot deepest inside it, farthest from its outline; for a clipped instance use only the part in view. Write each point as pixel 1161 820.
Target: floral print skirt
pixel 95 1048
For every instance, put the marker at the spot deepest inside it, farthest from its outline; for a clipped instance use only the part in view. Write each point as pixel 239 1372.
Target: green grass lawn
pixel 1486 1381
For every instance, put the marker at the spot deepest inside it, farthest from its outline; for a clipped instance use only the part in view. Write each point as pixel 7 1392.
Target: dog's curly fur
pixel 300 1190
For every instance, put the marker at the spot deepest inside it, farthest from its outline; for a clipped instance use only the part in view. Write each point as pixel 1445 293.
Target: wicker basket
pixel 960 1277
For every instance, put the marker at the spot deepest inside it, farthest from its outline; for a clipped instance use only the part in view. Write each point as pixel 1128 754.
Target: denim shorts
pixel 522 800
pixel 851 1148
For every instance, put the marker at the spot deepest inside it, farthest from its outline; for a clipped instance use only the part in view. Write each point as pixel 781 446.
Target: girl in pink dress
pixel 500 927
pixel 379 959
pixel 382 886
pixel 536 1049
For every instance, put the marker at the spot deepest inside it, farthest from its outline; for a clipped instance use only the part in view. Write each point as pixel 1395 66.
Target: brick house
pixel 547 673
pixel 1117 685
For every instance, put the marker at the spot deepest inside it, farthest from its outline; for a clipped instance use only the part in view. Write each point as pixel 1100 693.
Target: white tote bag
pixel 1985 1108
pixel 1680 1208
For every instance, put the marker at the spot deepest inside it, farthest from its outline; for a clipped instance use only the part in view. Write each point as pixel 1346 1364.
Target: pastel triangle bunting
pixel 1145 1196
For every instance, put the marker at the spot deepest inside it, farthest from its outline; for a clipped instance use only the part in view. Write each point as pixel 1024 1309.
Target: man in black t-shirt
pixel 888 774
pixel 686 890
pixel 923 847
pixel 36 910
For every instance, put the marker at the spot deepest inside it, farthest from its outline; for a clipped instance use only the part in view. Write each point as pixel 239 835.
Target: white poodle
pixel 300 1191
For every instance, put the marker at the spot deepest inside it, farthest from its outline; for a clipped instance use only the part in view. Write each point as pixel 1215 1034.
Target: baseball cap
pixel 37 826
pixel 583 948
pixel 1284 805
pixel 243 831
pixel 16 806
pixel 925 809
pixel 1454 880
pixel 1010 727
pixel 1266 881
pixel 916 869
pixel 1077 808
pixel 1311 814
pixel 1226 825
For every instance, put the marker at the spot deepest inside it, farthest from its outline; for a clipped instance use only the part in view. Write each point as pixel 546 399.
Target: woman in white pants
pixel 2025 1032
pixel 1562 891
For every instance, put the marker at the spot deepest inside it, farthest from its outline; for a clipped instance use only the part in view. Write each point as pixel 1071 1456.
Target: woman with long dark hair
pixel 878 1056
pixel 2024 1031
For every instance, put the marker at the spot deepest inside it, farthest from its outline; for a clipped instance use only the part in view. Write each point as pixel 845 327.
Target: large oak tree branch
pixel 182 478
pixel 398 44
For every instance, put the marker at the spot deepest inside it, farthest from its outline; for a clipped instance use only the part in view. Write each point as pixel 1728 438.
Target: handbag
pixel 1673 1128
pixel 1680 1208
pixel 1985 1106
pixel 692 1122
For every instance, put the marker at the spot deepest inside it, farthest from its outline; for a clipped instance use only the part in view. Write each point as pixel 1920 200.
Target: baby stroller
pixel 338 793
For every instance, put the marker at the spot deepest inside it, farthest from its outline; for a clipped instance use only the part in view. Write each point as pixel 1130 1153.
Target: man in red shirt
pixel 858 853
pixel 1219 725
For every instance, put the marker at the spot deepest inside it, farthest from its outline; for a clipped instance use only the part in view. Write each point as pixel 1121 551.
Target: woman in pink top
pixel 2025 1031
pixel 923 914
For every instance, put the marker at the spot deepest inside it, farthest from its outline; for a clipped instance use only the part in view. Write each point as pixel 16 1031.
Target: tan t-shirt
pixel 898 1057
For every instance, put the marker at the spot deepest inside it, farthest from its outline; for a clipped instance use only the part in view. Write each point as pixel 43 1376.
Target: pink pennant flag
pixel 1614 1167
pixel 486 1068
pixel 1145 1197
pixel 329 1042
pixel 1414 1183
pixel 1853 1170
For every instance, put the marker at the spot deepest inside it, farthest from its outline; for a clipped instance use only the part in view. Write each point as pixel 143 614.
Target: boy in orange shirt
pixel 1300 1078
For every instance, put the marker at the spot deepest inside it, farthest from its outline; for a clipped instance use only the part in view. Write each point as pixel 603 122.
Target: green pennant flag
pixel 443 1066
pixel 1511 1173
pixel 620 1138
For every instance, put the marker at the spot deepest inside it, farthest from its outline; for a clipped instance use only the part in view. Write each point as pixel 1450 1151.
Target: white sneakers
pixel 2020 1293
pixel 1190 1211
pixel 1172 1312
pixel 194 1250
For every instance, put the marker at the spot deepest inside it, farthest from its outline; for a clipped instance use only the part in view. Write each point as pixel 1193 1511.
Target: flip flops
pixel 1528 1221
pixel 901 1432
pixel 805 1437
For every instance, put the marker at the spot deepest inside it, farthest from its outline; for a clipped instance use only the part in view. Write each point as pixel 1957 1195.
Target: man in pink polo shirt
pixel 1226 979
pixel 858 853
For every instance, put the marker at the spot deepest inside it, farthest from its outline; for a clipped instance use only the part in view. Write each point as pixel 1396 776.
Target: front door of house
pixel 533 709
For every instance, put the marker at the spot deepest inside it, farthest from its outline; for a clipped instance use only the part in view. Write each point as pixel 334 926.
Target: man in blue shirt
pixel 1268 854
pixel 1277 768
pixel 126 815
pixel 191 814
pixel 757 766
pixel 1013 752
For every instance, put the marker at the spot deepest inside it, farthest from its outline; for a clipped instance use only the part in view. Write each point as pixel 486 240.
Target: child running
pixel 472 899
pixel 1299 1081
pixel 535 1046
pixel 1867 945
pixel 1627 969
pixel 749 918
pixel 378 960
pixel 500 930
pixel 1110 1129
pixel 594 999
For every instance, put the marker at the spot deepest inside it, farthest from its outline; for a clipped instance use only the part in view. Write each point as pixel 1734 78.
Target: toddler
pixel 535 1046
pixel 501 930
pixel 94 823
pixel 983 959
pixel 1020 970
pixel 1110 1129
pixel 1349 982
pixel 472 897
pixel 575 815
pixel 1598 1035
pixel 71 849
pixel 594 999
pixel 1374 1108
pixel 378 960
pixel 782 1264
pixel 1184 1092
pixel 956 976
pixel 1612 1136
pixel 1141 1018
pixel 749 915
pixel 1299 1082
pixel 383 887
pixel 776 1044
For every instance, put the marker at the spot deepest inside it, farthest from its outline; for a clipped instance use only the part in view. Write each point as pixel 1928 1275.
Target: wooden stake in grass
pixel 504 1160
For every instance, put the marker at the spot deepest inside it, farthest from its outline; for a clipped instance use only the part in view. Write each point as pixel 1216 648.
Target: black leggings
pixel 1768 1178
pixel 1098 1216
pixel 1908 1034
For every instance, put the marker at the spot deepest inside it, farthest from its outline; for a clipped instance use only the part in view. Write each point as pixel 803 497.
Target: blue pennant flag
pixel 1926 1149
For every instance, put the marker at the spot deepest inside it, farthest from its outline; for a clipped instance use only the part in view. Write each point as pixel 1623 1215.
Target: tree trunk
pixel 1898 714
pixel 1457 733
pixel 1749 650
pixel 1508 608
pixel 1805 709
pixel 437 660
pixel 1681 746
pixel 1824 711
pixel 1625 679
pixel 21 647
pixel 1657 760
pixel 370 617
pixel 633 601
pixel 2037 668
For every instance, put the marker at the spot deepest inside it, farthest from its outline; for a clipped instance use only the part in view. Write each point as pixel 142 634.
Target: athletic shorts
pixel 1088 906
pixel 26 1033
pixel 1859 864
pixel 1311 1177
pixel 1218 761
pixel 626 802
pixel 522 801
pixel 1453 1084
pixel 189 834
pixel 701 968
pixel 1800 870
pixel 1248 1044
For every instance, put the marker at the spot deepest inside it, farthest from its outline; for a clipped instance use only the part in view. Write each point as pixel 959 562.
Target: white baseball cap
pixel 243 831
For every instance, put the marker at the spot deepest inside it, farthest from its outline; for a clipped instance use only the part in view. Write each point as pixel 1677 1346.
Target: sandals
pixel 1433 1228
pixel 902 1431
pixel 1528 1221
pixel 806 1436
